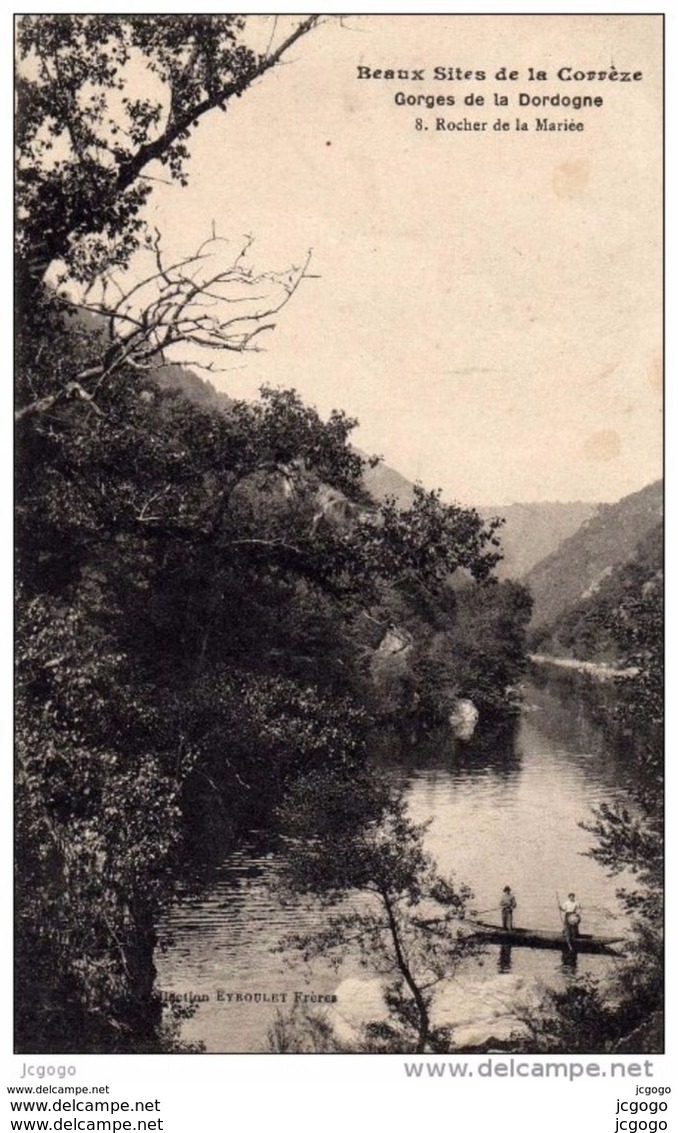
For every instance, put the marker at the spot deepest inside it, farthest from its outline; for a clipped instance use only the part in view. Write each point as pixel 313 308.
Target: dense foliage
pixel 87 132
pixel 624 620
pixel 465 642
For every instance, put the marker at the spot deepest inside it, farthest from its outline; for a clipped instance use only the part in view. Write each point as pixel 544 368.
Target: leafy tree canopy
pixel 86 138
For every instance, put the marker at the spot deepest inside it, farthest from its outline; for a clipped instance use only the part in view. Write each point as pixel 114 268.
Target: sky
pixel 487 303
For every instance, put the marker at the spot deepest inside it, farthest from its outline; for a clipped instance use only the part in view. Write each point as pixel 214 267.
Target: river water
pixel 504 810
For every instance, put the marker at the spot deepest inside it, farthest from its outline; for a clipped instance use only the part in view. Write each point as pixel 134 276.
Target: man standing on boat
pixel 507 904
pixel 571 910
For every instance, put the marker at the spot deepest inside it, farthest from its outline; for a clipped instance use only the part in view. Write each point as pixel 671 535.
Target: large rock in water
pixel 479 1012
pixel 463 719
pixel 358 1002
pixel 484 1011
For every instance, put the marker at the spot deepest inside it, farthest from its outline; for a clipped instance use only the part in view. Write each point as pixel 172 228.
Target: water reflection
pixel 504 961
pixel 569 960
pixel 580 709
pixel 491 751
pixel 504 809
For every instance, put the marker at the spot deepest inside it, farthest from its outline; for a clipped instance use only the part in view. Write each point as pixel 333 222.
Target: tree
pixel 630 839
pixel 86 138
pixel 99 770
pixel 211 300
pixel 250 736
pixel 85 141
pixel 353 837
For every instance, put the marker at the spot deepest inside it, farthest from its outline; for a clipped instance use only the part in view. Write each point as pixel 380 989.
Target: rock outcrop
pixel 463 719
pixel 480 1013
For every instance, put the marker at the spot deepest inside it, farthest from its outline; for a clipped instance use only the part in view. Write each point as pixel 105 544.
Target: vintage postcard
pixel 339 383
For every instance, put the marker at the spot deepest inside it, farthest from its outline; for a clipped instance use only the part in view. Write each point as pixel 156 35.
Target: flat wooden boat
pixel 541 938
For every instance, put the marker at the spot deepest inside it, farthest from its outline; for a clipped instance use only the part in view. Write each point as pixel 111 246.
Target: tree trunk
pixel 145 1009
pixel 420 1002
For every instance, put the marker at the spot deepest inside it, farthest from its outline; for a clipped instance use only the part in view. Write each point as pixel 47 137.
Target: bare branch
pixel 43 404
pixel 143 515
pixel 194 301
pixel 273 31
pixel 271 544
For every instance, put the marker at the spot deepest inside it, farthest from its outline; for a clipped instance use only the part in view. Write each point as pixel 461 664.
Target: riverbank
pixel 601 670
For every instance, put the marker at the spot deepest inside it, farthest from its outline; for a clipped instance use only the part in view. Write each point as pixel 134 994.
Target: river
pixel 505 810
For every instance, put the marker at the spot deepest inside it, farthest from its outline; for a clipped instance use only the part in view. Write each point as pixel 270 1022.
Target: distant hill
pixel 383 481
pixel 169 375
pixel 533 531
pixel 197 389
pixel 530 532
pixel 576 569
pixel 589 629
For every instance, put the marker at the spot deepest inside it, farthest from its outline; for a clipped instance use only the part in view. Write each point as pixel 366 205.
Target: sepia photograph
pixel 339 624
